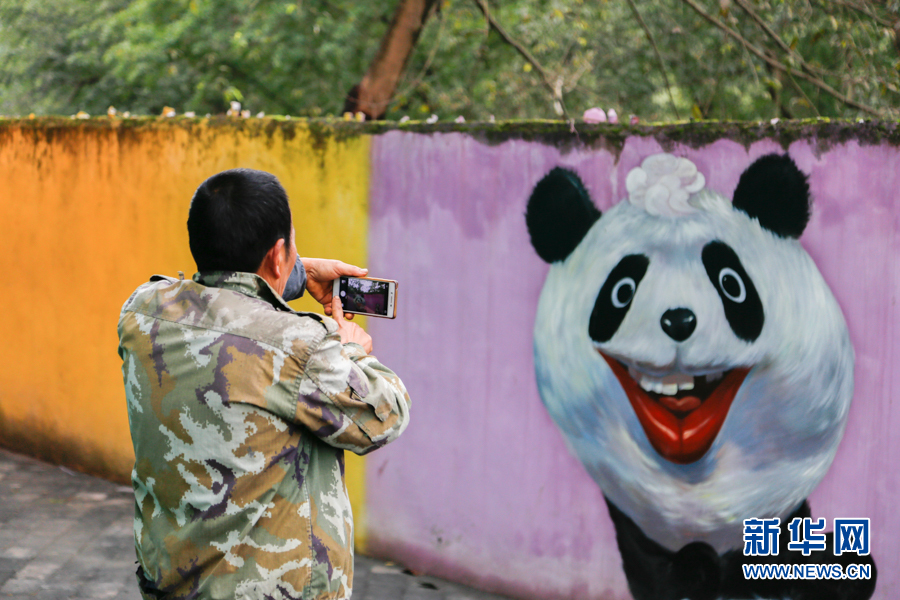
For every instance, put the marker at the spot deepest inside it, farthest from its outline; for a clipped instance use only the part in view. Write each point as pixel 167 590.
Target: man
pixel 241 409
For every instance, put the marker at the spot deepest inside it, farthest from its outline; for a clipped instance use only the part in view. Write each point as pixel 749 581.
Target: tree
pixel 659 59
pixel 373 94
pixel 51 54
pixel 799 58
pixel 283 57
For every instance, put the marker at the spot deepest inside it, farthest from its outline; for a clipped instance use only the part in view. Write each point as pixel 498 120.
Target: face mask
pixel 296 283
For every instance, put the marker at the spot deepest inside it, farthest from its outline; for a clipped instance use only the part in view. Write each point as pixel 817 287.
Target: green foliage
pixel 52 53
pixel 199 55
pixel 301 57
pixel 602 57
pixel 275 56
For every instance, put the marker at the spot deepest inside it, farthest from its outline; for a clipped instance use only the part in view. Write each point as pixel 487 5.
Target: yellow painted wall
pixel 88 211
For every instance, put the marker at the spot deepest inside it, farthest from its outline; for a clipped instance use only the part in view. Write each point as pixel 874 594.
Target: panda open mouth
pixel 681 414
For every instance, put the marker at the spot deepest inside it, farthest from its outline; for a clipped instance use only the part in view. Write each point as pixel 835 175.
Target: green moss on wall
pixel 563 135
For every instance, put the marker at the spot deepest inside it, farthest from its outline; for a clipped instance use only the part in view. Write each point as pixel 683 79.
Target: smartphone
pixel 367 296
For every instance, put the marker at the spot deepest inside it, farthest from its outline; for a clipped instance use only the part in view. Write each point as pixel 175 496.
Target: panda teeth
pixel 666 386
pixel 651 385
pixel 669 389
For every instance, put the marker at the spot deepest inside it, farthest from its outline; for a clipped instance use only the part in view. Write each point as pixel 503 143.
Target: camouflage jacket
pixel 240 411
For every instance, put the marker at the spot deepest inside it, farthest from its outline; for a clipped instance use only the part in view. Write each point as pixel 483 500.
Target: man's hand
pixel 350 332
pixel 320 275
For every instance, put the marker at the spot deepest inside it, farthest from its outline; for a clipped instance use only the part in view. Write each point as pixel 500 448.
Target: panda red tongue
pixel 681 429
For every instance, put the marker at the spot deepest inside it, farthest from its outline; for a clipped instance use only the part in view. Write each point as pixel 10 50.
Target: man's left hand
pixel 320 276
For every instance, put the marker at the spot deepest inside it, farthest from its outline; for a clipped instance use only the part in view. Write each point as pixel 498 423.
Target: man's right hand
pixel 350 332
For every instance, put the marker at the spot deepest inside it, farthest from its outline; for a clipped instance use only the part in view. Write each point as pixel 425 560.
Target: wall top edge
pixel 572 134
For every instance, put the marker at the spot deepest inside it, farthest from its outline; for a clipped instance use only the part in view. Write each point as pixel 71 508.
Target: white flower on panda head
pixel 663 185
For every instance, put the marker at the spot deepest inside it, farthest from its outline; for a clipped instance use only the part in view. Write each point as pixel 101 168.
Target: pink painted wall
pixel 482 487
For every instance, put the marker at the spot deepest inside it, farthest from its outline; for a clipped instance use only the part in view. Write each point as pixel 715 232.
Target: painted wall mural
pixel 698 365
pixel 500 481
pixel 522 429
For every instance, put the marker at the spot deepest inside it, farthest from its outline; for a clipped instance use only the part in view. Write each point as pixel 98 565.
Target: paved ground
pixel 67 535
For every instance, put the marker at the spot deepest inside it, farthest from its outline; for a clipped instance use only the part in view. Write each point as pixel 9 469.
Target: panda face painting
pixel 688 348
pixel 681 412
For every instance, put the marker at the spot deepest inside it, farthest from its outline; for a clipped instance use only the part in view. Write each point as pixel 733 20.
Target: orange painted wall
pixel 88 211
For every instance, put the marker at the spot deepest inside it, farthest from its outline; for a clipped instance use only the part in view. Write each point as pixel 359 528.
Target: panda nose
pixel 678 323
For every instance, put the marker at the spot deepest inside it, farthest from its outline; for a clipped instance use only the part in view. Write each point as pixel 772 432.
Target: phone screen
pixel 364 296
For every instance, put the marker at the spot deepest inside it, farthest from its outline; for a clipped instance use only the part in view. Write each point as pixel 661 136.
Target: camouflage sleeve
pixel 349 399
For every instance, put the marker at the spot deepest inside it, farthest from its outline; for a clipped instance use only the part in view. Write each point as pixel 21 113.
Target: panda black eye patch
pixel 743 308
pixel 615 296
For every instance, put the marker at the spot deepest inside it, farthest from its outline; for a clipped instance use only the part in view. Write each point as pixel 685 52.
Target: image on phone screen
pixel 364 296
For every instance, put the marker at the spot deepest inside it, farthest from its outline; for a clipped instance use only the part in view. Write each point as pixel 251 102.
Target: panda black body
pixel 698 366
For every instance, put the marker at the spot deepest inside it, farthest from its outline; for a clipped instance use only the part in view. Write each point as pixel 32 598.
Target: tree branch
pixel 555 90
pixel 374 92
pixel 662 66
pixel 781 44
pixel 777 65
pixel 802 93
pixel 407 88
pixel 861 9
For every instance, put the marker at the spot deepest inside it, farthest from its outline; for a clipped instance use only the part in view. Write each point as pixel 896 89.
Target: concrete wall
pixel 481 487
pixel 89 211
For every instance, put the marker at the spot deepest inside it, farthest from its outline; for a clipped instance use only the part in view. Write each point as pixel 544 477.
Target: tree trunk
pixel 897 36
pixel 373 94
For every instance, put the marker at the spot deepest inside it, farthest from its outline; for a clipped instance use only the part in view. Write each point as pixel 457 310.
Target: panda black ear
pixel 775 192
pixel 559 214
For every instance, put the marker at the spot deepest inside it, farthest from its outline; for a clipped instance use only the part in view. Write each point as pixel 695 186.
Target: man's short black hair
pixel 236 216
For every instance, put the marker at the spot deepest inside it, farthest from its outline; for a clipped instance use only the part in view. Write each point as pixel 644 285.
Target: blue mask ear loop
pixel 296 283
